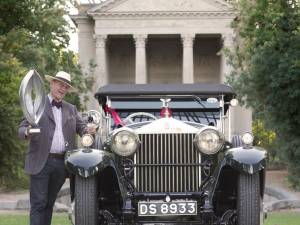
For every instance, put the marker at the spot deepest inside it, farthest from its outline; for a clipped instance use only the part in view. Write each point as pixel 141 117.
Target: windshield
pixel 190 109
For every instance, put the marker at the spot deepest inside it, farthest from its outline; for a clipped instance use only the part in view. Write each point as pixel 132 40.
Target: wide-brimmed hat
pixel 63 77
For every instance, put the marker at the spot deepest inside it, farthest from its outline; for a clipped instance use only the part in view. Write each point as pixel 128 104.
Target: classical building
pixel 157 41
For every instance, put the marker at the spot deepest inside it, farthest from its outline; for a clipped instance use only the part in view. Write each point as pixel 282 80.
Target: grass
pixel 283 218
pixel 276 218
pixel 22 219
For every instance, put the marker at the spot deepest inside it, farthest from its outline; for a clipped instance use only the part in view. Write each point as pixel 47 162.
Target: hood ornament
pixel 32 98
pixel 165 112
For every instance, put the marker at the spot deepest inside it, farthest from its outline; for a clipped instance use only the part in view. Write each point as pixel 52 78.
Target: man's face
pixel 58 90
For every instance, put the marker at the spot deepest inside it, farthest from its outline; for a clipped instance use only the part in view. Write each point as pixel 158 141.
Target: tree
pixel 266 70
pixel 266 139
pixel 33 34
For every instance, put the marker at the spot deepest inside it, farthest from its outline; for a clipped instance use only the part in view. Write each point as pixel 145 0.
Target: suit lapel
pixel 64 113
pixel 49 110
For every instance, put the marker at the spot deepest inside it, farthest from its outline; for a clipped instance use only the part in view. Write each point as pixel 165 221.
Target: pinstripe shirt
pixel 58 141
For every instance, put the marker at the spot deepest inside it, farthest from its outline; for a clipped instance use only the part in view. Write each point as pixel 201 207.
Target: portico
pixel 159 58
pixel 163 58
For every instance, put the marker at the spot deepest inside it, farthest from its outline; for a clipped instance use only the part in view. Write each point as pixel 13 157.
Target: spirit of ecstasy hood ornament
pixel 165 112
pixel 32 97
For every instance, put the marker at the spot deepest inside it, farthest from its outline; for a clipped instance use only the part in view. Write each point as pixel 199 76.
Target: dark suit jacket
pixel 40 144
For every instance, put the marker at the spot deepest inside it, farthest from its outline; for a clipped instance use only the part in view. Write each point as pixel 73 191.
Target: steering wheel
pixel 129 119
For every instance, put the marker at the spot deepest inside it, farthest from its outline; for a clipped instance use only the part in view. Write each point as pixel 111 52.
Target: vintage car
pixel 164 154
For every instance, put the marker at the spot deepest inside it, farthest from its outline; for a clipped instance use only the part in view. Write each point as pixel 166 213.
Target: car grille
pixel 167 163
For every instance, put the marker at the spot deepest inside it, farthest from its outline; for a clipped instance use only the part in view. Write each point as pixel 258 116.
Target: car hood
pixel 166 125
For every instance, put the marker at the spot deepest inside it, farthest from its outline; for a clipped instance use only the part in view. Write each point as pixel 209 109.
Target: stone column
pixel 140 58
pixel 101 74
pixel 228 40
pixel 86 44
pixel 86 53
pixel 188 58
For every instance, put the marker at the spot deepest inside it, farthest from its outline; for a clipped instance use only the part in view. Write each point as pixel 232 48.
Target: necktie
pixel 57 104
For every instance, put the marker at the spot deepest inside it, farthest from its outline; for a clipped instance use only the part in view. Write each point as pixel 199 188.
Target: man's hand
pixel 27 133
pixel 91 128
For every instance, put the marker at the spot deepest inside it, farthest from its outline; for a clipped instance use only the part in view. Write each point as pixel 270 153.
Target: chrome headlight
pixel 125 142
pixel 247 138
pixel 87 140
pixel 209 141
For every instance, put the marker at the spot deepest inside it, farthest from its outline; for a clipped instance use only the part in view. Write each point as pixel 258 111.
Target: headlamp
pixel 247 138
pixel 125 142
pixel 87 140
pixel 209 141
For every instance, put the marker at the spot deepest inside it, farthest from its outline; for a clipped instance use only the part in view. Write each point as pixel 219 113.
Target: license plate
pixel 160 208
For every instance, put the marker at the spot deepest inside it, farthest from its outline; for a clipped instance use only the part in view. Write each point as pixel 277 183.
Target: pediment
pixel 123 6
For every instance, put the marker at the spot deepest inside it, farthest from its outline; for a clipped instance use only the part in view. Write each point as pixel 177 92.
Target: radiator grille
pixel 156 169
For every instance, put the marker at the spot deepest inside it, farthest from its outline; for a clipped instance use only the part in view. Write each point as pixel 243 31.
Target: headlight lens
pixel 125 142
pixel 209 141
pixel 234 102
pixel 247 138
pixel 87 140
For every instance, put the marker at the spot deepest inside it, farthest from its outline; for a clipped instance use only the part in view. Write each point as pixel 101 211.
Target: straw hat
pixel 63 77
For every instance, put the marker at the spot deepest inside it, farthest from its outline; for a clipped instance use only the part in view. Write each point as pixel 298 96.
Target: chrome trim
pixel 181 172
pixel 167 126
pixel 135 171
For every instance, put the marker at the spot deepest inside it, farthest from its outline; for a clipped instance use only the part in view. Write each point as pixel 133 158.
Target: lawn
pixel 277 218
pixel 22 219
pixel 283 218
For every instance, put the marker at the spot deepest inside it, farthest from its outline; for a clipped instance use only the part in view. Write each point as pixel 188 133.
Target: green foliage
pixel 266 139
pixel 266 70
pixel 11 151
pixel 33 34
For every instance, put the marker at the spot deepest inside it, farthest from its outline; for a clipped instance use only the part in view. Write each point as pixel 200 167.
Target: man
pixel 45 157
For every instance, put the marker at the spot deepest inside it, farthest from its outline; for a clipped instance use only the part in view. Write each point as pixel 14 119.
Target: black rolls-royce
pixel 164 154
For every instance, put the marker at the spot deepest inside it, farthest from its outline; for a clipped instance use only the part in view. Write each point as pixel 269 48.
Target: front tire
pixel 249 200
pixel 86 204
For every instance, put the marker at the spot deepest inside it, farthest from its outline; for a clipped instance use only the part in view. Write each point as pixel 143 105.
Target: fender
pixel 87 162
pixel 247 160
pixel 241 159
pixel 90 162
